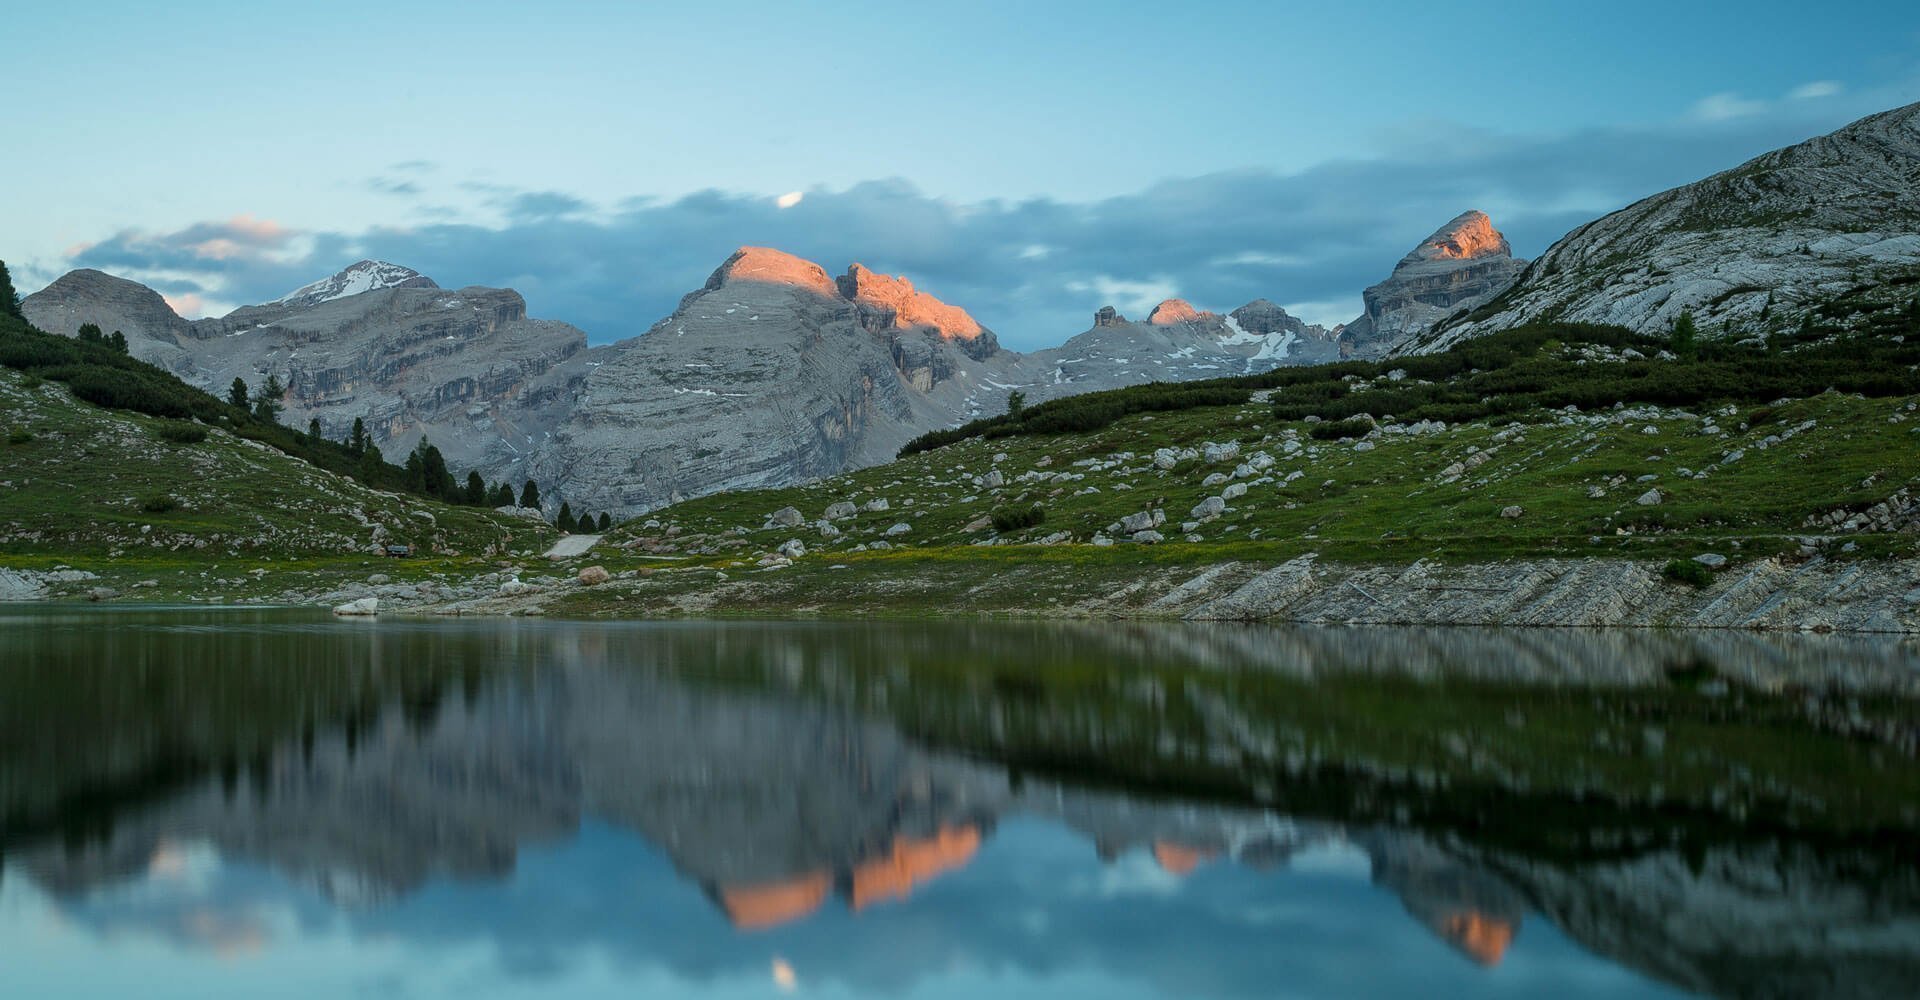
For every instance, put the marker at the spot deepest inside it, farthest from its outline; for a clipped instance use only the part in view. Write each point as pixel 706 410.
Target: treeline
pixel 1515 371
pixel 1086 412
pixel 97 368
pixel 1511 372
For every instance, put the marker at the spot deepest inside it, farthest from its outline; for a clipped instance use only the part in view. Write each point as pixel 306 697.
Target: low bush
pixel 158 503
pixel 180 432
pixel 1014 519
pixel 1341 430
pixel 19 435
pixel 1688 572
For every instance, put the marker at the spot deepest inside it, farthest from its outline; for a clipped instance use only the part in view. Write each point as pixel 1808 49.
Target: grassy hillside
pixel 1713 470
pixel 131 498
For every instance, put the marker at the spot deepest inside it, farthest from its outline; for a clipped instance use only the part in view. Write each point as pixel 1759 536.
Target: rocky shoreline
pixel 1814 595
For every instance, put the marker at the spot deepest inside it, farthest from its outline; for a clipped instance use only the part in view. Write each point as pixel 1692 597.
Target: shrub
pixel 1688 572
pixel 158 503
pixel 19 435
pixel 180 432
pixel 1340 430
pixel 1014 520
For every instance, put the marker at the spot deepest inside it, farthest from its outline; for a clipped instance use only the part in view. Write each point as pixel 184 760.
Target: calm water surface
pixel 197 803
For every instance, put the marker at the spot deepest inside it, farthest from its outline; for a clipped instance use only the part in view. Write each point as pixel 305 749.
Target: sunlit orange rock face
pixel 889 302
pixel 1471 235
pixel 770 904
pixel 1174 311
pixel 1179 859
pixel 912 861
pixel 1482 936
pixel 764 265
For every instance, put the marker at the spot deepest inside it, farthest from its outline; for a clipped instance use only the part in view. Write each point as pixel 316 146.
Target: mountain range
pixel 775 371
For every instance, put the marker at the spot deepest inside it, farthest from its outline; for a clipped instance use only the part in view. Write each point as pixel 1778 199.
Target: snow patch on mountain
pixel 358 278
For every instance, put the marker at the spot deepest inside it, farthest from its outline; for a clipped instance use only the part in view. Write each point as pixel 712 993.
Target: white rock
pixel 359 608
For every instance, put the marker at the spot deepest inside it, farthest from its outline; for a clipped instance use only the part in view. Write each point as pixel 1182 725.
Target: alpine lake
pixel 202 802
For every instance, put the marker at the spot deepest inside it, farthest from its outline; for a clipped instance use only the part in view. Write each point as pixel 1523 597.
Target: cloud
pixel 1034 269
pixel 1815 90
pixel 788 200
pixel 1726 107
pixel 393 186
pixel 535 206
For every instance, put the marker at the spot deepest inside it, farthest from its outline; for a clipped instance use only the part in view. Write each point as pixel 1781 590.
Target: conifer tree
pixel 565 521
pixel 1685 335
pixel 476 494
pixel 9 299
pixel 606 523
pixel 530 496
pixel 357 439
pixel 237 393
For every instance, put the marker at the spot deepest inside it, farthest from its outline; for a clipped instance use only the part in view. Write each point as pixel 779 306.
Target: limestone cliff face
pixel 466 368
pixel 1770 237
pixel 767 375
pixel 1463 264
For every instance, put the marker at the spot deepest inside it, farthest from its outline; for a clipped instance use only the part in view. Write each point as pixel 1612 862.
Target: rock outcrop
pixel 1743 249
pixel 1463 264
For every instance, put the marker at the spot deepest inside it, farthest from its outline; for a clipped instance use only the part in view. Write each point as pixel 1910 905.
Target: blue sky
pixel 1030 162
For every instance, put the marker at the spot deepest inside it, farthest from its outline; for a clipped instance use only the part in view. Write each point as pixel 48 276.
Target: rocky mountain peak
pixel 355 279
pixel 90 296
pixel 1745 250
pixel 765 265
pixel 1462 265
pixel 1108 316
pixel 1173 311
pixel 1262 316
pixel 886 302
pixel 1469 236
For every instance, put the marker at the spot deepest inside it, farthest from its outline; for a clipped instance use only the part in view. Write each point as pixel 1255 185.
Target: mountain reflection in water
pixel 895 807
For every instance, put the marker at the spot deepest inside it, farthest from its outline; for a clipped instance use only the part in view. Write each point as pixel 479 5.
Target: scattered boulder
pixel 1650 498
pixel 786 517
pixel 379 578
pixel 1210 507
pixel 1711 560
pixel 877 504
pixel 900 528
pixel 102 594
pixel 594 576
pixel 792 548
pixel 365 606
pixel 1149 537
pixel 1140 521
pixel 993 480
pixel 1225 452
pixel 1214 479
pixel 1512 512
pixel 1234 491
pixel 835 511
